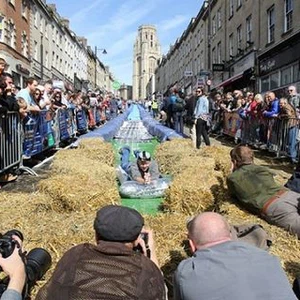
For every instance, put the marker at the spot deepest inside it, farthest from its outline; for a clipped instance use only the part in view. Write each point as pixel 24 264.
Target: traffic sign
pixel 208 82
pixel 116 85
pixel 188 73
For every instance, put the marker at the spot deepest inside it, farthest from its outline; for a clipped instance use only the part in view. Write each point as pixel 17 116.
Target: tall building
pixel 146 54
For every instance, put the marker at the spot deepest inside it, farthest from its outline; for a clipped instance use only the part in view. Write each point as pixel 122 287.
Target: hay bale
pixel 221 155
pixel 79 192
pixel 97 149
pixel 285 246
pixel 169 234
pixel 192 193
pixel 74 163
pixel 170 152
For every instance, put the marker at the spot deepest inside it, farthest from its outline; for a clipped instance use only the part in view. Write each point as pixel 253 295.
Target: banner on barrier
pixel 232 122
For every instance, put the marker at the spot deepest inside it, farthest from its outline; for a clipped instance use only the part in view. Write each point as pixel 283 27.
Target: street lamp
pixel 42 56
pixel 96 58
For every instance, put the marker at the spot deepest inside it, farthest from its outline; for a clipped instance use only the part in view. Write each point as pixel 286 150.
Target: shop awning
pixel 229 80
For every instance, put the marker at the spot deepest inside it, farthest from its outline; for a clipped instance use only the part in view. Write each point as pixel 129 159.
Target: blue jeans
pixel 125 155
pixel 293 142
pixel 178 122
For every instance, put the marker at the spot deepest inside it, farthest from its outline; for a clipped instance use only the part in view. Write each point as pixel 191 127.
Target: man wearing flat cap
pixel 111 269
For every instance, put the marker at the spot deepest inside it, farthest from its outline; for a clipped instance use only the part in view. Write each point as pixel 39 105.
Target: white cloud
pixel 83 13
pixel 125 44
pixel 173 22
pixel 127 15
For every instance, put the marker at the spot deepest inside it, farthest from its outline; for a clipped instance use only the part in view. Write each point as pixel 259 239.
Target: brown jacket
pixel 288 114
pixel 108 271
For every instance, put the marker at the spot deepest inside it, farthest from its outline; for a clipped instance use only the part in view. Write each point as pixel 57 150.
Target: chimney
pixel 66 22
pixel 52 7
pixel 83 41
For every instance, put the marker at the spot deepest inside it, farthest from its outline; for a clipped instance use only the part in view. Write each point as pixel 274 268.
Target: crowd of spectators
pixel 50 96
pixel 261 120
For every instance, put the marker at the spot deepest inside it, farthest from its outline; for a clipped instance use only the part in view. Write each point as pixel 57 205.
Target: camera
pixel 37 261
pixel 138 248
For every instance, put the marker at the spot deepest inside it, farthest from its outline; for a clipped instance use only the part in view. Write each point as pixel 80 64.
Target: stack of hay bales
pixel 198 176
pixel 83 178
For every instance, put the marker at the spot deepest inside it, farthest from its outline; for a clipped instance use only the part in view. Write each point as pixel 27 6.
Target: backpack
pixel 253 234
pixel 179 105
pixel 294 182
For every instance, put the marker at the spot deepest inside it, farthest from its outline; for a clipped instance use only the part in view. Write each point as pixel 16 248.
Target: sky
pixel 113 25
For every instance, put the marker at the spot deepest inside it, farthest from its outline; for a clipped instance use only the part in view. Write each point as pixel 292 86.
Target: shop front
pixel 279 67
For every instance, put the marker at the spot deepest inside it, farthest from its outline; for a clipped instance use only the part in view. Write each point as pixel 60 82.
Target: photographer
pixel 111 269
pixel 14 267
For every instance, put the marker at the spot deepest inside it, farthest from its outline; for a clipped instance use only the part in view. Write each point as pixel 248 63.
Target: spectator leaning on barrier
pixel 7 100
pixel 28 93
pixel 221 268
pixel 111 269
pixel 287 114
pixel 254 187
pixel 273 103
pixel 294 98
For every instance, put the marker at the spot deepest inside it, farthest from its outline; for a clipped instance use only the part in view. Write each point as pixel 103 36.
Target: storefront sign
pixel 218 67
pixel 23 70
pixel 267 66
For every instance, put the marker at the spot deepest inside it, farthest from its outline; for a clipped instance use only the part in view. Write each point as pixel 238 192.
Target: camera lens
pixel 38 263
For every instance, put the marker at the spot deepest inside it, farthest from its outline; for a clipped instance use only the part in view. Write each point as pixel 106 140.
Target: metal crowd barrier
pixel 10 141
pixel 279 136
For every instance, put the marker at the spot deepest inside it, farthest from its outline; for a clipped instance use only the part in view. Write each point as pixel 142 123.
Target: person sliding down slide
pixel 144 177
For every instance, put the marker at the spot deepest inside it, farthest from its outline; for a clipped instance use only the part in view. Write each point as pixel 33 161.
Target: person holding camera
pixel 14 267
pixel 223 268
pixel 111 269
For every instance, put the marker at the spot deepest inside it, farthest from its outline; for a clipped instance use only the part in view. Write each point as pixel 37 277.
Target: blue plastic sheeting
pixel 109 130
pixel 134 115
pixel 163 133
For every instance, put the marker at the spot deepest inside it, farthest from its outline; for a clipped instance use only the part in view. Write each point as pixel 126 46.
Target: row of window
pixel 280 78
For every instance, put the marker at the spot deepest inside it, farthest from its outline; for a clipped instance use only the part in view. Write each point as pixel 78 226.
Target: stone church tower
pixel 146 53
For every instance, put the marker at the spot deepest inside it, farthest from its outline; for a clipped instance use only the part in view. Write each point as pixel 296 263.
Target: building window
pixel 53 59
pixel 214 56
pixel 231 45
pixel 24 44
pixel 36 16
pixel 231 8
pixel 271 25
pixel 286 76
pixel 265 84
pixel 35 50
pixel 238 4
pixel 11 34
pixel 219 20
pixel 53 33
pixel 219 53
pixel 288 15
pixel 239 38
pixel 24 10
pixel 41 25
pixel 274 81
pixel 249 29
pixel 46 29
pixel 1 28
pixel 296 72
pixel 47 59
pixel 12 2
pixel 213 29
